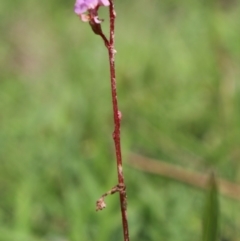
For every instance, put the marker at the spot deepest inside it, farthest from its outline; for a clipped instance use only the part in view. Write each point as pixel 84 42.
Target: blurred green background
pixel 178 89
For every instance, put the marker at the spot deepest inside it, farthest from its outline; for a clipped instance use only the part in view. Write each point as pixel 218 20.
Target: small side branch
pixel 100 204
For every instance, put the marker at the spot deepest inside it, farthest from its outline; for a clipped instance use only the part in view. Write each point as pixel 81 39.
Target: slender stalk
pixel 117 120
pixel 95 24
pixel 120 187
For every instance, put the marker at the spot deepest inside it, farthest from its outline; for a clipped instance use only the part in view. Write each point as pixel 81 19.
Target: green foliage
pixel 177 74
pixel 211 212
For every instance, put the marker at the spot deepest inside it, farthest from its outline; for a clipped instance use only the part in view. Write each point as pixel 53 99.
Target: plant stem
pixel 117 119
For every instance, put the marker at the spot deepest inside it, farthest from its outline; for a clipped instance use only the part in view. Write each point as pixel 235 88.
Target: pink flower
pixel 90 6
pixel 82 6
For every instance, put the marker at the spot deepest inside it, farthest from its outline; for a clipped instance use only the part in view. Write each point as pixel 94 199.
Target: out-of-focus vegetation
pixel 179 93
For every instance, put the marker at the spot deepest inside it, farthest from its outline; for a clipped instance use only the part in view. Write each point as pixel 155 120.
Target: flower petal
pixel 81 6
pixel 79 9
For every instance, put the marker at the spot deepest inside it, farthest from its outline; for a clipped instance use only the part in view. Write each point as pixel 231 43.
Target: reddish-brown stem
pixel 121 188
pixel 117 119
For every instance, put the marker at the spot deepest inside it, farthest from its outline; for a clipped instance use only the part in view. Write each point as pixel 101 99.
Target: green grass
pixel 178 89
